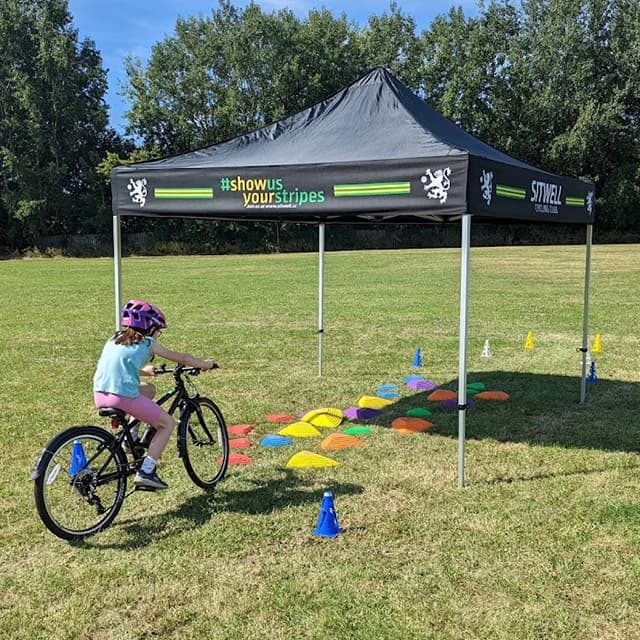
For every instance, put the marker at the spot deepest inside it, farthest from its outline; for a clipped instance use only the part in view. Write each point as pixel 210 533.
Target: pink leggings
pixel 141 407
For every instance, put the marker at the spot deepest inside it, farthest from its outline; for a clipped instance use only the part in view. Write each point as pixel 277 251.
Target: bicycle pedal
pixel 144 488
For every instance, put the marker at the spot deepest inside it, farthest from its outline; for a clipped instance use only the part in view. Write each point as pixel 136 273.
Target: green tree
pixel 578 79
pixel 235 71
pixel 553 82
pixel 390 41
pixel 230 73
pixel 52 121
pixel 466 69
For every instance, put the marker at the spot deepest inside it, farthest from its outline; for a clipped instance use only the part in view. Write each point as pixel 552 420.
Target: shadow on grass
pixel 543 410
pixel 264 497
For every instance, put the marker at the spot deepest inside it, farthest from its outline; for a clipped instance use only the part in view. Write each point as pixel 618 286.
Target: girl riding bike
pixel 117 384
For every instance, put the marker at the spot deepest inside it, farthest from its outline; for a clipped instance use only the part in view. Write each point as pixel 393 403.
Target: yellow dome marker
pixel 309 459
pixel 299 429
pixel 374 402
pixel 329 417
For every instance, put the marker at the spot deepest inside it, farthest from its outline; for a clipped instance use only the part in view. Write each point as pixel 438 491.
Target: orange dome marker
pixel 411 425
pixel 239 443
pixel 441 394
pixel 500 396
pixel 240 429
pixel 337 441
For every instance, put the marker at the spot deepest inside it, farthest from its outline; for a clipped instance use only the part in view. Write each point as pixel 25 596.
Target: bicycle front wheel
pixel 80 482
pixel 203 442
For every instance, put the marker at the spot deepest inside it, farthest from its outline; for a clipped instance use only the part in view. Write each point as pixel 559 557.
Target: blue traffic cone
pixel 593 376
pixel 78 458
pixel 328 518
pixel 417 358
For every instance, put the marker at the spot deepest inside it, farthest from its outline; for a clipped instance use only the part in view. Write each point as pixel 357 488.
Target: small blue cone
pixel 593 376
pixel 78 459
pixel 327 519
pixel 417 358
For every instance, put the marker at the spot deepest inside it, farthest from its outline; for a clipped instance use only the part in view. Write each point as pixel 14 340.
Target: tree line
pixel 555 83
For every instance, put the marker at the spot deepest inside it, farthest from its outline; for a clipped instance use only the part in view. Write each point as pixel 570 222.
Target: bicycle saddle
pixel 111 412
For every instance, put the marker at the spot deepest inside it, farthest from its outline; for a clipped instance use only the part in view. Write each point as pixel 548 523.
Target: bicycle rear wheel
pixel 80 482
pixel 203 442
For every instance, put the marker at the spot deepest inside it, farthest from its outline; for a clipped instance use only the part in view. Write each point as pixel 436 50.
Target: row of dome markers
pixel 368 407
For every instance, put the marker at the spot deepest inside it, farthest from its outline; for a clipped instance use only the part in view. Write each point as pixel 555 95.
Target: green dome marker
pixel 419 412
pixel 357 430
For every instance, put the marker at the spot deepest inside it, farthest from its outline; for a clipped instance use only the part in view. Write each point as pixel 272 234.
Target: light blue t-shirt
pixel 118 369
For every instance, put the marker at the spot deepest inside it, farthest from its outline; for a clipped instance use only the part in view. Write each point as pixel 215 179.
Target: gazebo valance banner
pixel 415 187
pixel 373 151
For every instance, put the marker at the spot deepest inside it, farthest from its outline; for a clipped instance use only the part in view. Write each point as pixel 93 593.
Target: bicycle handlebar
pixel 180 369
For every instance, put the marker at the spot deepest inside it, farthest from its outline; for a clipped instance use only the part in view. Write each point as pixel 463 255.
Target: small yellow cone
pixel 529 343
pixel 597 344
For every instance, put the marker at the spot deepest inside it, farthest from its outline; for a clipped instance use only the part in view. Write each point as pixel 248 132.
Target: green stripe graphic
pixel 505 191
pixel 574 202
pixel 183 193
pixel 372 189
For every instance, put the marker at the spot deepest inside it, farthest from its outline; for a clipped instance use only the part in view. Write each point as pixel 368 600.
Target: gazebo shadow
pixel 542 410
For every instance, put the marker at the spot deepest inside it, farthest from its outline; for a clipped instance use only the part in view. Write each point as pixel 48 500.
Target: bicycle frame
pixel 179 393
pixel 181 399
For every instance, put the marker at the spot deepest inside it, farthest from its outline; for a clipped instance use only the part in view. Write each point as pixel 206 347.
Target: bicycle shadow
pixel 263 497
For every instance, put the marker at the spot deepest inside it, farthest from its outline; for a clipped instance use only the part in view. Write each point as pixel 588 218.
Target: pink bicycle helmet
pixel 139 314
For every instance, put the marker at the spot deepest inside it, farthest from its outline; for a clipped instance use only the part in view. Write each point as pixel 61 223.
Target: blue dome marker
pixel 273 440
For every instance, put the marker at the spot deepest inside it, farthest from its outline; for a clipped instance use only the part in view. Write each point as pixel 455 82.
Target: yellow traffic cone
pixel 597 344
pixel 529 343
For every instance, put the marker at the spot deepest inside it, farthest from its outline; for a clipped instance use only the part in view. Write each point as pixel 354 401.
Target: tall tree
pixel 390 40
pixel 53 120
pixel 234 71
pixel 553 82
pixel 579 62
pixel 466 71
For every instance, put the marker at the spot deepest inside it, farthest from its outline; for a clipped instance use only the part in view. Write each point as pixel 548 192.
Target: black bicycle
pixel 80 477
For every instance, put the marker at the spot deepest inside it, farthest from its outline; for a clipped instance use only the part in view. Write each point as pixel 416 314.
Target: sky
pixel 121 28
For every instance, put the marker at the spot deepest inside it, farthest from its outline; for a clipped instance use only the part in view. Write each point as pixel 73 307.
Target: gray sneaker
pixel 149 480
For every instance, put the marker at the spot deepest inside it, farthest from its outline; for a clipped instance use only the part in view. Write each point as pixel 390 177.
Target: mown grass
pixel 542 543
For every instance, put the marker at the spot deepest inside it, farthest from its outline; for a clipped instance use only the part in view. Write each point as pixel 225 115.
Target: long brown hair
pixel 129 336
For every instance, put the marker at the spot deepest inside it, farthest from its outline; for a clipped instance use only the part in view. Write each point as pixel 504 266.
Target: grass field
pixel 544 542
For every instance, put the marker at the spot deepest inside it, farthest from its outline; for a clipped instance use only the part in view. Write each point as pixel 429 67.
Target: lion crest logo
pixel 486 186
pixel 437 184
pixel 138 191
